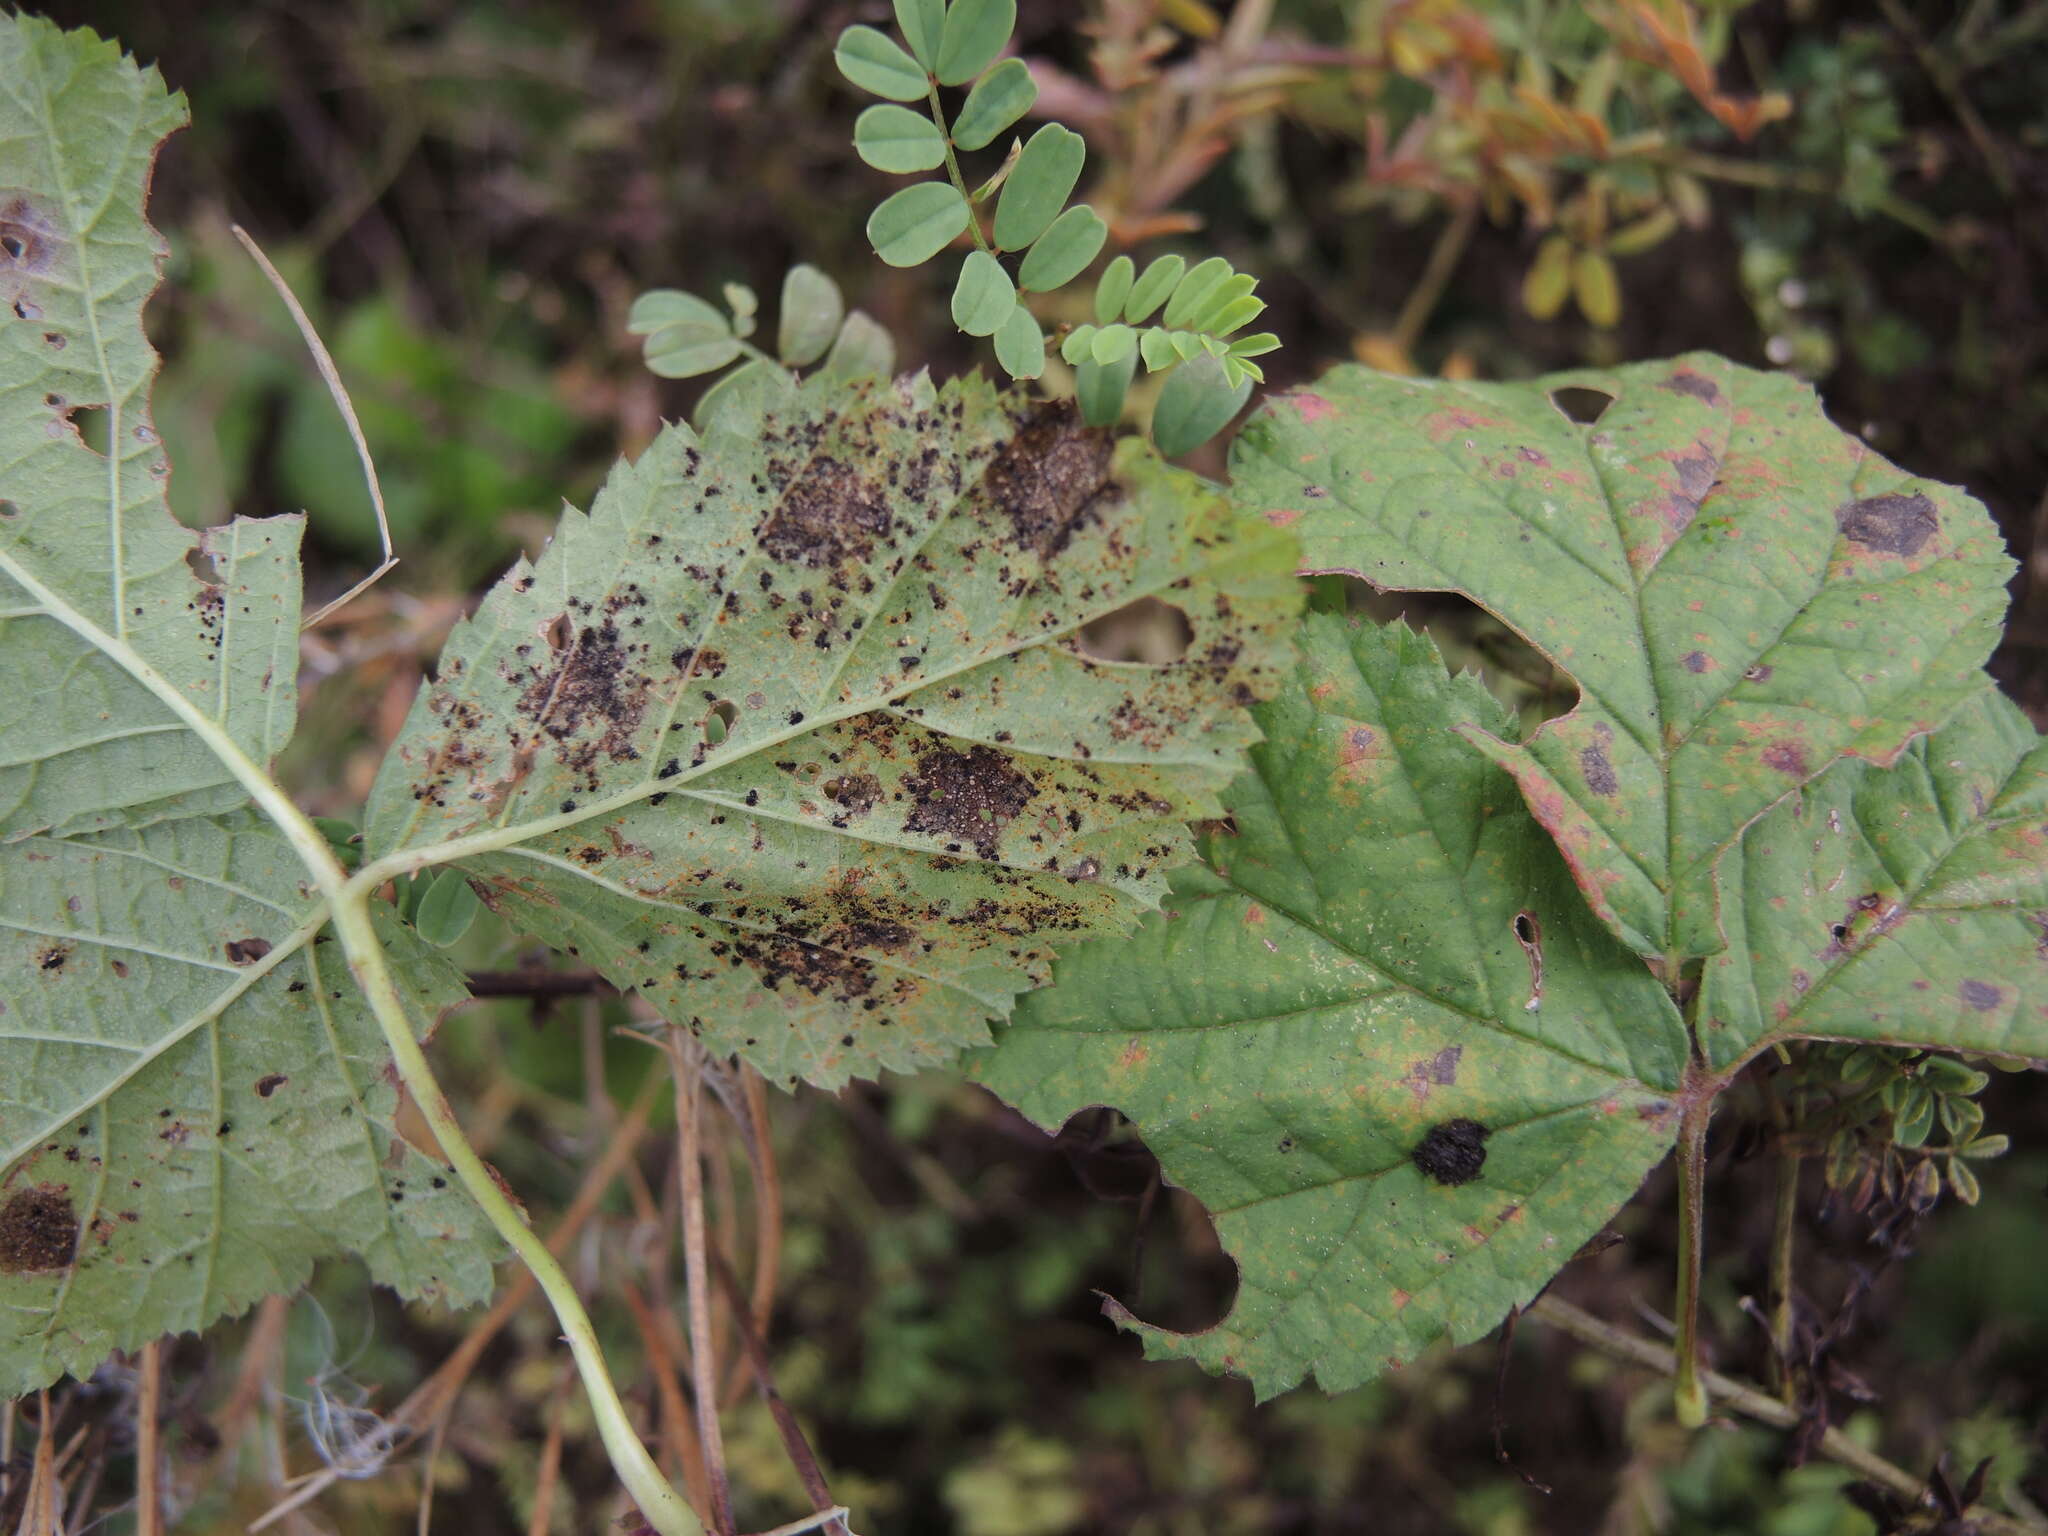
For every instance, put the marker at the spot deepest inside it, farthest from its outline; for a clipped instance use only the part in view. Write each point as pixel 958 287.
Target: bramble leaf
pixel 912 226
pixel 1906 904
pixel 197 1103
pixel 101 591
pixel 1039 185
pixel 196 1106
pixel 792 732
pixel 1743 594
pixel 1333 1036
pixel 998 99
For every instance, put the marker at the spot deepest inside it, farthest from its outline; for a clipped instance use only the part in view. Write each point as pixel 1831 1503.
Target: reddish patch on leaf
pixel 1133 1055
pixel 1280 517
pixel 1786 757
pixel 1358 749
pixel 1401 1299
pixel 1311 406
pixel 1696 661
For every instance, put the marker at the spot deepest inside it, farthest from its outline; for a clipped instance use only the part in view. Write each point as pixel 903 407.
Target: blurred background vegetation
pixel 467 197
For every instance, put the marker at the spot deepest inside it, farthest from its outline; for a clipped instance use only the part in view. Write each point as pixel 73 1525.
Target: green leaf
pixel 1075 348
pixel 922 22
pixel 863 349
pixel 662 309
pixel 874 63
pixel 984 298
pixel 1197 402
pixel 919 781
pixel 1113 287
pixel 998 99
pixel 1234 316
pixel 446 910
pixel 1154 288
pixel 1255 346
pixel 198 1108
pixel 975 32
pixel 1020 345
pixel 1194 290
pixel 681 352
pixel 917 223
pixel 1156 347
pixel 1063 252
pixel 115 618
pixel 1113 343
pixel 1743 594
pixel 811 312
pixel 1901 905
pixel 1343 983
pixel 745 392
pixel 1101 387
pixel 1219 300
pixel 897 139
pixel 1039 185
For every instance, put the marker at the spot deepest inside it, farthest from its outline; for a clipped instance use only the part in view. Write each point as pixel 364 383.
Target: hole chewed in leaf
pixel 1148 631
pixel 202 565
pixel 38 1231
pixel 719 721
pixel 1577 403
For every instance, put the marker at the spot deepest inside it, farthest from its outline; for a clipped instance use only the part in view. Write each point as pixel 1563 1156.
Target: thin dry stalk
pixel 550 1462
pixel 794 1442
pixel 759 1144
pixel 331 376
pixel 424 1521
pixel 697 1279
pixel 149 1497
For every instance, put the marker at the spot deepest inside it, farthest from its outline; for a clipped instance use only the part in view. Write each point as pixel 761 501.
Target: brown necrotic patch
pixel 593 689
pixel 29 245
pixel 1891 525
pixel 38 1231
pixel 1598 770
pixel 817 970
pixel 829 514
pixel 853 793
pixel 1048 475
pixel 965 797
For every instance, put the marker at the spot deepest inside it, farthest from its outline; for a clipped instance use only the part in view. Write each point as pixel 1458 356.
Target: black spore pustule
pixel 1453 1152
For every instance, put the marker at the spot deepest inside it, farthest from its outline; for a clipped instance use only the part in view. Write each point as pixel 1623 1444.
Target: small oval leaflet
pixel 1453 1152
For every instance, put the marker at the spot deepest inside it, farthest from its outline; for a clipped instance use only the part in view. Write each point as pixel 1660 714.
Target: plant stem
pixel 663 1507
pixel 1751 1403
pixel 1783 1233
pixel 1436 275
pixel 953 163
pixel 1692 1170
pixel 697 1278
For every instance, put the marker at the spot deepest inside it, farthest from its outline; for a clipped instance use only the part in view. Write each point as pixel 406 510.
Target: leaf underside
pixel 794 731
pixel 193 1106
pixel 1743 594
pixel 1347 977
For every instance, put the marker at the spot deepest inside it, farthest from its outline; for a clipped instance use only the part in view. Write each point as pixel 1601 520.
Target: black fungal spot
pixel 1891 525
pixel 38 1231
pixel 1453 1152
pixel 269 1083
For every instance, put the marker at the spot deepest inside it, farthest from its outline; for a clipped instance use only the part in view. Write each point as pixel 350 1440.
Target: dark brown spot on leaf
pixel 1698 385
pixel 1598 770
pixel 1438 1071
pixel 1453 1152
pixel 38 1231
pixel 965 797
pixel 1892 524
pixel 247 951
pixel 269 1083
pixel 827 515
pixel 1695 661
pixel 1980 995
pixel 854 793
pixel 1048 474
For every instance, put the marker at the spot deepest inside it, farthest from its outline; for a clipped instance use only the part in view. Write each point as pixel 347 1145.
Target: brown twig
pixel 793 1441
pixel 1751 1403
pixel 538 983
pixel 678 1429
pixel 696 1278
pixel 542 1520
pixel 149 1496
